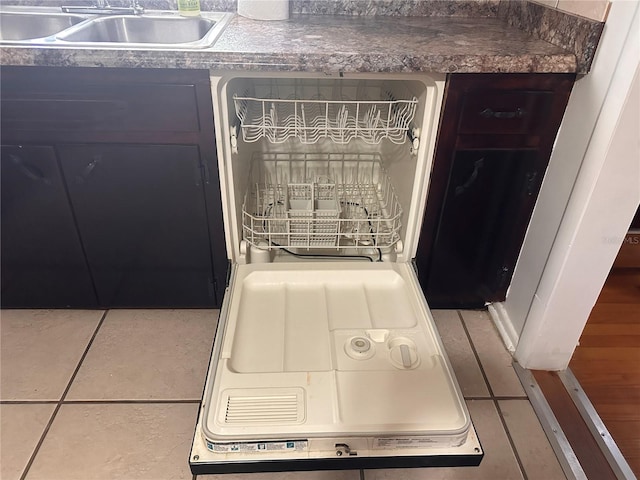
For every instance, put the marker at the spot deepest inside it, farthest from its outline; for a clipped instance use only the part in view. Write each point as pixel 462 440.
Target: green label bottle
pixel 189 8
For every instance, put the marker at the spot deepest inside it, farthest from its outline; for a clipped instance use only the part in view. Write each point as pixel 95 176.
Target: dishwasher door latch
pixel 414 138
pixel 342 449
pixel 234 139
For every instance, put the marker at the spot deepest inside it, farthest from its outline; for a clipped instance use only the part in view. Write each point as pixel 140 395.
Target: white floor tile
pixel 117 442
pixel 147 354
pixel 496 360
pixel 164 354
pixel 534 450
pixel 460 353
pixel 20 430
pixel 40 350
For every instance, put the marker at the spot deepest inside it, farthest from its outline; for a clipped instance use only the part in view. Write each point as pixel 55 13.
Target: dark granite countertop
pixel 333 43
pixel 389 44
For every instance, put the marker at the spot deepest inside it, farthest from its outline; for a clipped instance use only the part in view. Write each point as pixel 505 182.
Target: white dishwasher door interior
pixel 325 360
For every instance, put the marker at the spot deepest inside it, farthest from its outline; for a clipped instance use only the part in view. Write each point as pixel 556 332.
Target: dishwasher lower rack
pixel 323 200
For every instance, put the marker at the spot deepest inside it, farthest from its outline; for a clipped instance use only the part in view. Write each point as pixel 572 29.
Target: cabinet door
pixel 495 140
pixel 43 264
pixel 487 204
pixel 141 214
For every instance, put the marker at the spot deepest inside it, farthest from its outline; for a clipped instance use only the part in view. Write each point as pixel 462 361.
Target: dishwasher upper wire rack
pixel 311 112
pixel 327 200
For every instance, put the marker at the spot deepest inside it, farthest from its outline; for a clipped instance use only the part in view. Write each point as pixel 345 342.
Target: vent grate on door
pixel 263 409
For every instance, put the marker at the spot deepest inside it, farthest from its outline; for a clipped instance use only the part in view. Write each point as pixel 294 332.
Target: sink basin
pixel 27 26
pixel 149 31
pixel 125 29
pixel 159 29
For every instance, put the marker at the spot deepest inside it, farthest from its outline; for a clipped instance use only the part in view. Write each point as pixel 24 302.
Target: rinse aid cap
pixel 403 353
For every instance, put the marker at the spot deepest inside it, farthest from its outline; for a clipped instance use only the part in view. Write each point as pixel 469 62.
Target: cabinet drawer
pixel 105 108
pixel 519 112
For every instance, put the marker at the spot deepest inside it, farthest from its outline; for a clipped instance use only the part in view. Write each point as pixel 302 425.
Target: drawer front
pixel 522 112
pixel 102 108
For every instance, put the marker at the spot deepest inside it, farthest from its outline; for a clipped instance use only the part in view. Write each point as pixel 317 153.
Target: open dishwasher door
pixel 326 355
pixel 329 365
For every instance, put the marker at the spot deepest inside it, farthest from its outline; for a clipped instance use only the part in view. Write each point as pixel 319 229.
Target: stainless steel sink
pixel 27 26
pixel 152 30
pixel 157 30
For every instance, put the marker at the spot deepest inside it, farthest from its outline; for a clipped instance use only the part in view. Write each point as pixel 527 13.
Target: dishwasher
pixel 326 355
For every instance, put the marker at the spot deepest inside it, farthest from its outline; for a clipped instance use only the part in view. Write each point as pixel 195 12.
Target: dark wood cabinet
pixel 132 154
pixel 93 105
pixel 140 211
pixel 43 263
pixel 495 140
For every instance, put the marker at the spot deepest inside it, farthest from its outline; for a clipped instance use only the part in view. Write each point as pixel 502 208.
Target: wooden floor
pixel 607 362
pixel 584 446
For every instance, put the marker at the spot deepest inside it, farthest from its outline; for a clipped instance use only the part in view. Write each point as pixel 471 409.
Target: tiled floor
pixel 114 395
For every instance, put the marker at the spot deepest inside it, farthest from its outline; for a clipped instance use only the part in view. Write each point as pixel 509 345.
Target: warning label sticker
pixel 401 442
pixel 280 446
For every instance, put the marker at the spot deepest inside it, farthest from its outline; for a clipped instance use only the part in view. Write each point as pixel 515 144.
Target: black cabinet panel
pixel 141 214
pixel 87 108
pixel 114 213
pixel 42 260
pixel 495 140
pixel 95 101
pixel 486 200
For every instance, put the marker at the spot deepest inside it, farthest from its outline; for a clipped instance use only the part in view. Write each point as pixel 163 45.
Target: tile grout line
pixel 60 402
pixel 100 402
pixel 493 398
pixel 103 401
pixel 477 357
pixel 511 442
pixel 29 402
pixel 84 355
pixel 130 402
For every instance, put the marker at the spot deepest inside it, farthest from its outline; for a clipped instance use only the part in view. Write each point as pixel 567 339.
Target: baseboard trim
pixel 505 327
